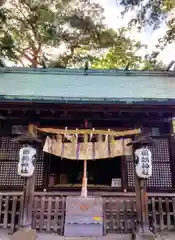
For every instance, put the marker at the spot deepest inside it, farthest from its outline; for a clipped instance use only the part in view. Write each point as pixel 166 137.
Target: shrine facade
pixel 109 100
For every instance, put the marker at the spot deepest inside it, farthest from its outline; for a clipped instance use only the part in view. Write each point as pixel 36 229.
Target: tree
pixel 114 50
pixel 31 28
pixel 153 13
pixel 6 41
pixel 87 52
pixel 122 54
pixel 114 59
pixel 2 2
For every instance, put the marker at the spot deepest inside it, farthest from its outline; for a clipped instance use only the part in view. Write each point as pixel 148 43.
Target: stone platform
pixel 45 236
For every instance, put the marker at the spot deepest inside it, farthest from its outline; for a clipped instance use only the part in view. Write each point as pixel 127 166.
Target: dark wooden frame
pixel 118 208
pixel 151 114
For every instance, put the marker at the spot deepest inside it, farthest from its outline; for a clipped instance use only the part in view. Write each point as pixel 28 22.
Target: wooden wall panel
pixel 130 171
pixel 162 174
pixel 9 155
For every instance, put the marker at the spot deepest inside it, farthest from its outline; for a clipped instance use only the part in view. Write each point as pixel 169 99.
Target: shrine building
pixel 72 99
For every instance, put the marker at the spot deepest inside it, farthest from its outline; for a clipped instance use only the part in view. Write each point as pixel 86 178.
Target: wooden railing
pixel 119 215
pixel 119 212
pixel 10 208
pixel 48 214
pixel 162 213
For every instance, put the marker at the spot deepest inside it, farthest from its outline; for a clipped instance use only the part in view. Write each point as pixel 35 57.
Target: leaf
pixel 36 26
pixel 153 13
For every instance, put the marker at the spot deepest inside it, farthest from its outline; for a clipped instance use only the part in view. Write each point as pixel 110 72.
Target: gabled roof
pixel 96 86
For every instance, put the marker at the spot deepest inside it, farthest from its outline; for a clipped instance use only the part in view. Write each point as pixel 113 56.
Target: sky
pixel 147 36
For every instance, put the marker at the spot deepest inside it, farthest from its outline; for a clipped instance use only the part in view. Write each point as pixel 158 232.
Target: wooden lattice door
pixel 9 156
pixel 162 174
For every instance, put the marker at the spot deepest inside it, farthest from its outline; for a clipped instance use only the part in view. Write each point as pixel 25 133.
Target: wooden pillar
pixel 172 150
pixel 28 196
pixel 124 170
pixel 138 201
pixel 137 191
pixel 124 173
pixel 141 205
pixel 141 202
pixel 29 141
pixel 144 206
pixel 172 126
pixel 26 217
pixel 26 231
pixel 46 170
pixel 84 180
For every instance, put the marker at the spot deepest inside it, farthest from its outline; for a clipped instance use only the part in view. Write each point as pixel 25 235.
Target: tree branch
pixel 23 54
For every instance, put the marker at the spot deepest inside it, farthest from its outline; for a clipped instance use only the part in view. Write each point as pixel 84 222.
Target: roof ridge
pixel 92 72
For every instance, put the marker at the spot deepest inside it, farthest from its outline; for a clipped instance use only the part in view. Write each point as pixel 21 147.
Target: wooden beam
pixel 28 195
pixel 145 139
pixel 46 170
pixel 26 217
pixel 25 139
pixel 89 107
pixel 77 117
pixel 141 198
pixel 137 192
pixel 144 205
pixel 138 199
pixel 172 152
pixel 124 171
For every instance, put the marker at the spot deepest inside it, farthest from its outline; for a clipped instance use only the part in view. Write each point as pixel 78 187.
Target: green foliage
pixel 36 26
pixel 122 53
pixel 148 12
pixel 153 13
pixel 31 28
pixel 112 50
pixel 6 41
pixel 115 59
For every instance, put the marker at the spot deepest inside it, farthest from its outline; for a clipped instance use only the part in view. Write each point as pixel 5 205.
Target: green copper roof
pixel 97 86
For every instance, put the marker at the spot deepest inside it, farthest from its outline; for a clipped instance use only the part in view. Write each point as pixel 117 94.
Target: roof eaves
pixel 87 100
pixel 94 72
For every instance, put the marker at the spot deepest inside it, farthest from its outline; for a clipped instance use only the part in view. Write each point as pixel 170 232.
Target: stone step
pixel 108 237
pixel 46 236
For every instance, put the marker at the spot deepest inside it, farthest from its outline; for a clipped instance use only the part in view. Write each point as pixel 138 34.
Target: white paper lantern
pixel 26 158
pixel 143 158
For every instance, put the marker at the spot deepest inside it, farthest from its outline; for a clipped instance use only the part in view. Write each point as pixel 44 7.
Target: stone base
pixel 145 236
pixel 165 236
pixel 24 234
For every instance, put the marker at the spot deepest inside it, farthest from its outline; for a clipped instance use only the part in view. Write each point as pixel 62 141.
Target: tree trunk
pixel 34 62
